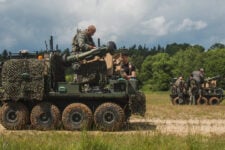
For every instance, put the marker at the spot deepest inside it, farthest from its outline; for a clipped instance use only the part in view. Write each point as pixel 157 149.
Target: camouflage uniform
pixel 82 42
pixel 127 68
pixel 194 84
pixel 193 91
pixel 180 89
pixel 198 76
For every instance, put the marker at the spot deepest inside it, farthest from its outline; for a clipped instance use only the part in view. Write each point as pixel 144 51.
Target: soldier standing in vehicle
pixel 83 41
pixel 197 78
pixel 127 69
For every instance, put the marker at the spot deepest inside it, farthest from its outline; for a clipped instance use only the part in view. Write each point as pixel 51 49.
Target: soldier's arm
pixel 82 43
pixel 133 72
pixel 93 43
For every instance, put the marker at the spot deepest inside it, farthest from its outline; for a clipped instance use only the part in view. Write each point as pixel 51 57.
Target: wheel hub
pixel 180 100
pixel 11 116
pixel 108 117
pixel 45 117
pixel 76 117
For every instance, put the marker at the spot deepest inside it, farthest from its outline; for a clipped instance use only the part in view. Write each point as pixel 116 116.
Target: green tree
pixel 217 46
pixel 156 72
pixel 184 62
pixel 214 63
pixel 173 48
pixel 5 54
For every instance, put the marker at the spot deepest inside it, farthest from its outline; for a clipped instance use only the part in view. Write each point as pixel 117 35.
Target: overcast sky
pixel 26 24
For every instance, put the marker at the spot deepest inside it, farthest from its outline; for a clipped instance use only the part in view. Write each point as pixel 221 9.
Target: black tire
pixel 77 116
pixel 219 91
pixel 142 102
pixel 45 116
pixel 202 101
pixel 214 101
pixel 109 117
pixel 178 101
pixel 137 103
pixel 14 115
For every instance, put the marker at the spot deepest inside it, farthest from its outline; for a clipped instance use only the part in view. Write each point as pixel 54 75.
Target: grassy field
pixel 107 141
pixel 158 106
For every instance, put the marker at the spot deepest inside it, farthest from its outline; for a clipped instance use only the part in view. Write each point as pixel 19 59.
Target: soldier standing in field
pixel 180 88
pixel 192 89
pixel 83 41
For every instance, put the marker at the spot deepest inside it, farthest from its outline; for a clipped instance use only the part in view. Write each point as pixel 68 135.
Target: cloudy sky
pixel 26 24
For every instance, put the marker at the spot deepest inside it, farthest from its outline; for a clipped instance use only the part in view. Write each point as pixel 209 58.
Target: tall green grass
pixel 108 141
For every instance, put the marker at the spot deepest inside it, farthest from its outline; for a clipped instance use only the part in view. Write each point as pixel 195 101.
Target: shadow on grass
pixel 131 126
pixel 140 126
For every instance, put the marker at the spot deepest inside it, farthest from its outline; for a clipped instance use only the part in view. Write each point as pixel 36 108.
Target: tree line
pixel 156 66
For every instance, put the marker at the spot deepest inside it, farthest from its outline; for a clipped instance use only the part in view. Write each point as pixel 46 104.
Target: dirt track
pixel 184 127
pixel 178 127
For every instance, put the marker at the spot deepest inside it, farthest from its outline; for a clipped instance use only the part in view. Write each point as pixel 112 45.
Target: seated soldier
pixel 127 69
pixel 179 81
pixel 83 41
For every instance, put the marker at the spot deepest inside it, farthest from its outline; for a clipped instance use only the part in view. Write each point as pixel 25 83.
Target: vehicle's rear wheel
pixel 214 101
pixel 202 101
pixel 14 115
pixel 178 101
pixel 45 116
pixel 77 116
pixel 109 117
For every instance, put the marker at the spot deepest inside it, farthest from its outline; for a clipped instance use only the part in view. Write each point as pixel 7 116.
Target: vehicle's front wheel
pixel 214 101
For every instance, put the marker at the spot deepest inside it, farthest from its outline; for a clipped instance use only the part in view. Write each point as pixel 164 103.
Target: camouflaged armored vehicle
pixel 207 94
pixel 34 92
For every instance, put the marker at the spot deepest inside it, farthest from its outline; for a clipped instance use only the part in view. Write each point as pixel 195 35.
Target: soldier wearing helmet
pixel 83 41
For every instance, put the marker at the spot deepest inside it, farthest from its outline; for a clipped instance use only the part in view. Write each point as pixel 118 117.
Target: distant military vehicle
pixel 209 93
pixel 34 92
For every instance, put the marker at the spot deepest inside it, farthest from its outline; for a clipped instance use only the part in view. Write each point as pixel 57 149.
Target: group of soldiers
pixel 83 42
pixel 191 87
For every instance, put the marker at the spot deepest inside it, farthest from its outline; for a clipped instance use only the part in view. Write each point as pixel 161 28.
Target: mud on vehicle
pixel 207 94
pixel 34 92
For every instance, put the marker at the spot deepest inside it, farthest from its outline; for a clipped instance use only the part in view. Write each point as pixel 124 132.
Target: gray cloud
pixel 27 24
pixel 188 25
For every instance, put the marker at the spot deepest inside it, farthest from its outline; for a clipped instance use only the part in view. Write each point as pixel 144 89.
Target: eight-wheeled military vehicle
pixel 34 92
pixel 207 94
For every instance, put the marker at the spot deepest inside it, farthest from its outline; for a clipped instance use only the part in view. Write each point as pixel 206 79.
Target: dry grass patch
pixel 159 106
